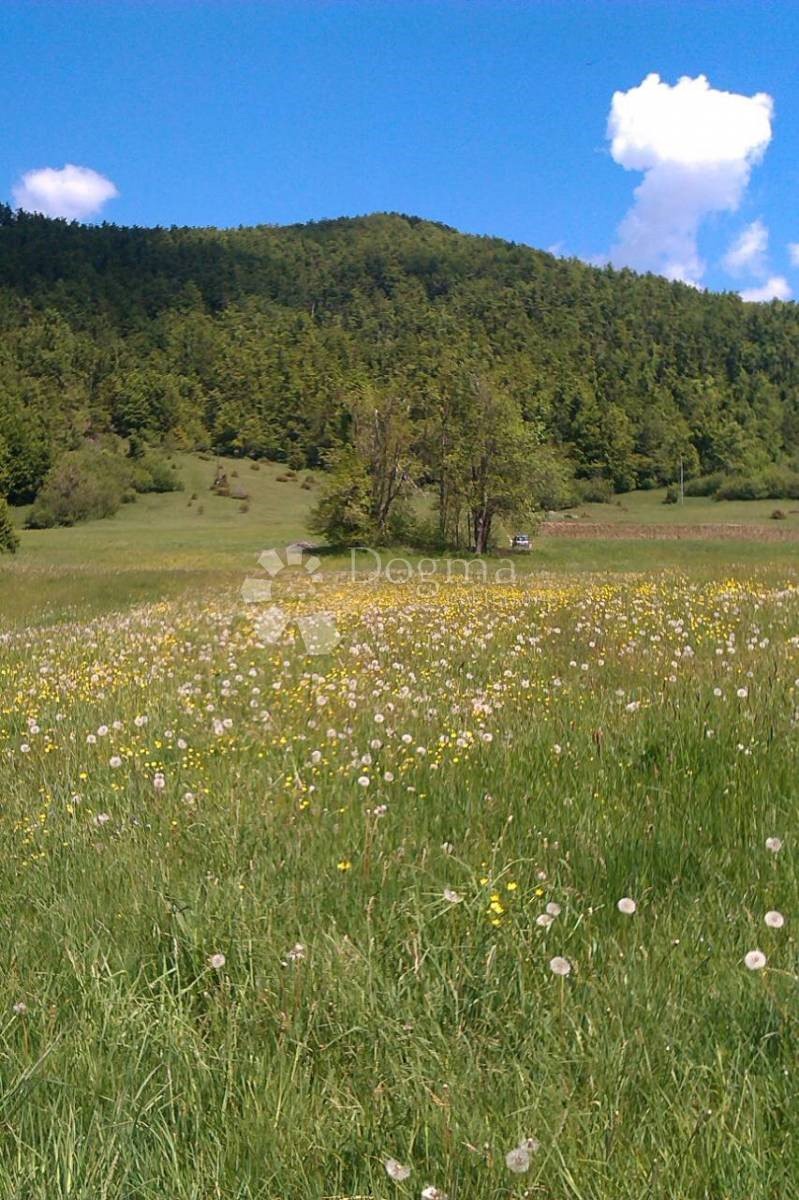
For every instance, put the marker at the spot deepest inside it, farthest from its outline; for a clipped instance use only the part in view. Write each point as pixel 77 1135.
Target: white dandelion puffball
pixel 553 909
pixel 560 966
pixel 627 906
pixel 544 920
pixel 217 961
pixel 433 1193
pixel 774 844
pixel 774 919
pixel 532 1145
pixel 451 896
pixel 518 1160
pixel 755 960
pixel 396 1170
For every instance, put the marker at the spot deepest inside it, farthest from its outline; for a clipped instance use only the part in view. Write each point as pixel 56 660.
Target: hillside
pixel 253 341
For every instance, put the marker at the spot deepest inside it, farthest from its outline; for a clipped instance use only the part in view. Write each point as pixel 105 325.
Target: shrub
pixel 552 482
pixel 704 485
pixel 672 494
pixel 9 538
pixel 775 483
pixel 152 473
pixel 82 485
pixel 595 491
pixel 778 515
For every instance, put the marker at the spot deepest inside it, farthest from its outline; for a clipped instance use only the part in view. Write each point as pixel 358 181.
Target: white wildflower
pixel 518 1160
pixel 560 966
pixel 755 960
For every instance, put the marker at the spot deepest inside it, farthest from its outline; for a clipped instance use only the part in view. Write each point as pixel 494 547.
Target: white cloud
pixel 793 253
pixel 72 192
pixel 696 146
pixel 747 254
pixel 775 288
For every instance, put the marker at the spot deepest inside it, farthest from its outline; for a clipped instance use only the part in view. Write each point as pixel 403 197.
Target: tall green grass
pixel 404 810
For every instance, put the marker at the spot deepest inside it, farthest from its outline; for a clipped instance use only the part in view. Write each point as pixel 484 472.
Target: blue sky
pixel 491 117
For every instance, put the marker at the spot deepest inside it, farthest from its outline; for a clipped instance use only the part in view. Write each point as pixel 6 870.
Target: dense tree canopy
pixel 270 342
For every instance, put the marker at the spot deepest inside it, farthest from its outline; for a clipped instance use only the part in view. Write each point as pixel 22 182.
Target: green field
pixel 275 918
pixel 167 545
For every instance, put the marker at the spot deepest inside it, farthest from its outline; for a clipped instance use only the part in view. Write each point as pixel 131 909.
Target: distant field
pixel 165 546
pixel 648 508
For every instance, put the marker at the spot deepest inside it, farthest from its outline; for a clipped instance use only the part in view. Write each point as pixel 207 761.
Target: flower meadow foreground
pixel 496 900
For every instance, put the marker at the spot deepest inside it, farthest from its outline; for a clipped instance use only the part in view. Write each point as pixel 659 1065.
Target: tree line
pixel 395 351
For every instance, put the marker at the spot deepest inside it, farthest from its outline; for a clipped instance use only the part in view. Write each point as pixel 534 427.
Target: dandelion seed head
pixel 774 844
pixel 627 906
pixel 560 966
pixel 217 961
pixel 755 960
pixel 774 919
pixel 396 1170
pixel 518 1160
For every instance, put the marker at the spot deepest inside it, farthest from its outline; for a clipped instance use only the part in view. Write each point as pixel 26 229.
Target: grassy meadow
pixel 286 925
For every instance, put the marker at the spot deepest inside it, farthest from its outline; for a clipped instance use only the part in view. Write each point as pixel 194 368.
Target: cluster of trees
pixel 94 481
pixel 275 342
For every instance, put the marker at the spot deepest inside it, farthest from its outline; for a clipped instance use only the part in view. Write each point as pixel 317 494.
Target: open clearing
pixel 276 918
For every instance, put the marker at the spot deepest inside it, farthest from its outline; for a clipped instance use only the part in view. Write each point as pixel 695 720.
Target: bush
pixel 672 494
pixel 778 515
pixel 552 482
pixel 705 485
pixel 775 483
pixel 152 473
pixel 595 491
pixel 742 487
pixel 9 539
pixel 83 485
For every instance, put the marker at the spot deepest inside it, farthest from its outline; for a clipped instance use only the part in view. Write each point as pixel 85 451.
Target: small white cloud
pixel 775 288
pixel 747 254
pixel 793 252
pixel 696 146
pixel 71 192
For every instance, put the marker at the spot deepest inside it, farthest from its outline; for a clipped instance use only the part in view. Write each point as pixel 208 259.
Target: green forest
pixel 394 351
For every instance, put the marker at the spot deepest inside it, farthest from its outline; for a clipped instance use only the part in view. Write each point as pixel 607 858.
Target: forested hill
pixel 255 340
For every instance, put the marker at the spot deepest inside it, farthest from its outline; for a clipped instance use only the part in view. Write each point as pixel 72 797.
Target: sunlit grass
pixel 273 919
